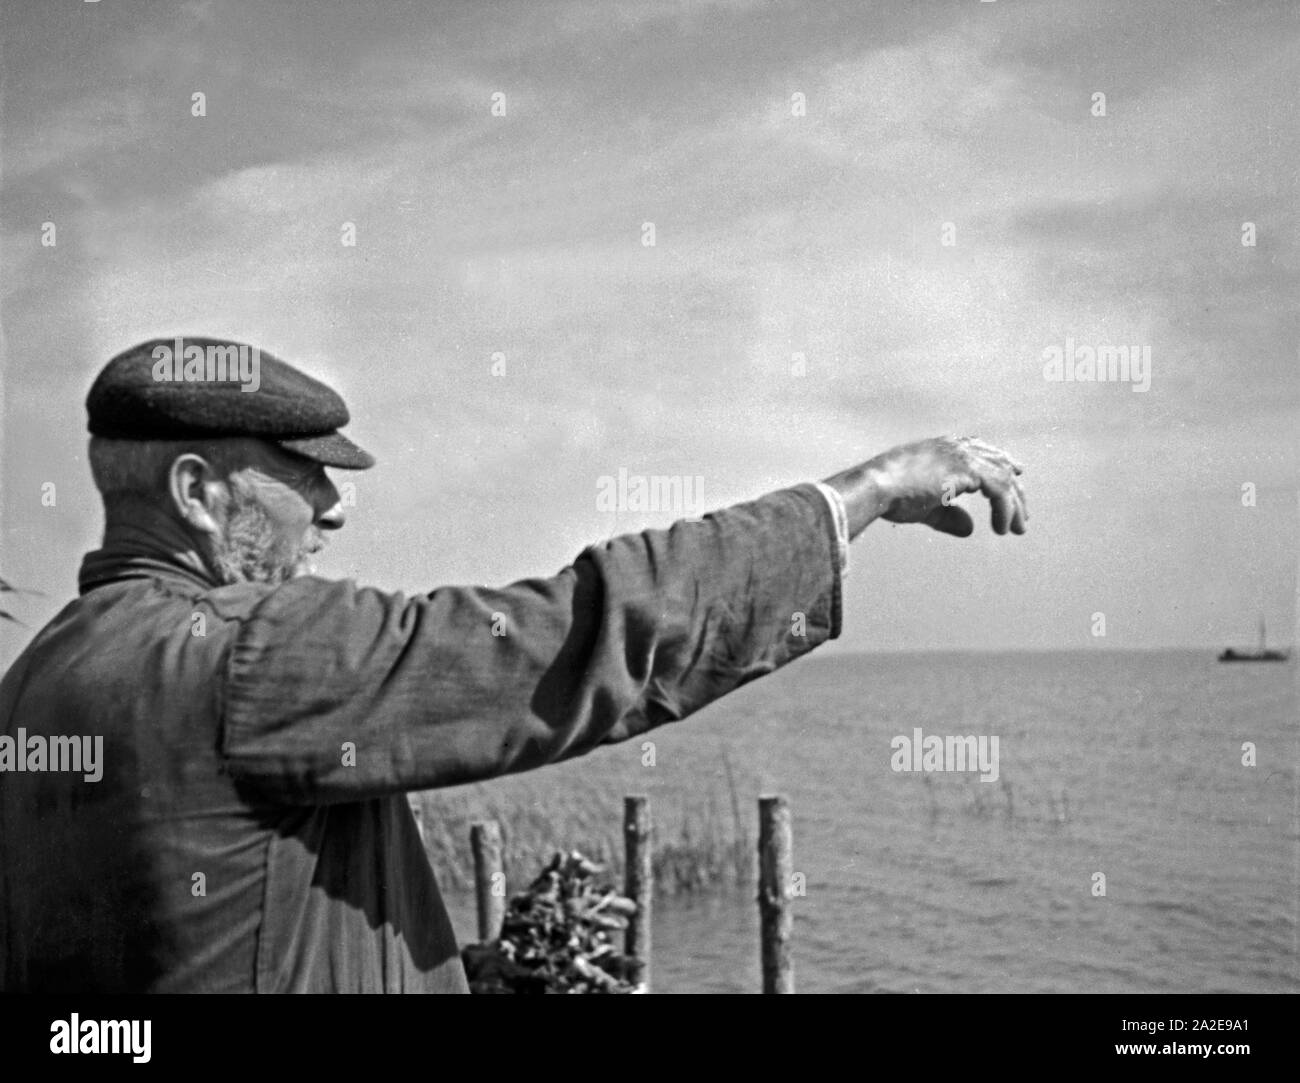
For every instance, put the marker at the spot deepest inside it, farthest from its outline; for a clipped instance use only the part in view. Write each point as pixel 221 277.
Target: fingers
pixel 1018 519
pixel 952 520
pixel 1005 500
pixel 1024 506
pixel 998 472
pixel 1002 504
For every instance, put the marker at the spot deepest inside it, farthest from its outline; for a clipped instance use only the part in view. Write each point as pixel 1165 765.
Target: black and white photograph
pixel 650 497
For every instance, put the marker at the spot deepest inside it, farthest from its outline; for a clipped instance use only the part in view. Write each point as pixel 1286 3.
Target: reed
pixel 697 848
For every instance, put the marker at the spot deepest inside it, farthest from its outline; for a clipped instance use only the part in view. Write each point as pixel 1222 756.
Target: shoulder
pixel 242 601
pixel 308 609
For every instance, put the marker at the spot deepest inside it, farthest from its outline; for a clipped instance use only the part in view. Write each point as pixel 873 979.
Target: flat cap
pixel 204 388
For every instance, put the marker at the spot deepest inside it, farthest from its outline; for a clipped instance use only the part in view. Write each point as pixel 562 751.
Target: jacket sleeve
pixel 337 693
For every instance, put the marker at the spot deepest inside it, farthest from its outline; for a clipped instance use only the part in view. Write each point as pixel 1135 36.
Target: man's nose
pixel 332 518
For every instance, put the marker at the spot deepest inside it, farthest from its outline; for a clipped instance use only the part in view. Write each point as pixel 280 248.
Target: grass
pixel 697 847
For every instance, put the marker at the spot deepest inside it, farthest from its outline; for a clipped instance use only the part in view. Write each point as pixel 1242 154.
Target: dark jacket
pixel 250 833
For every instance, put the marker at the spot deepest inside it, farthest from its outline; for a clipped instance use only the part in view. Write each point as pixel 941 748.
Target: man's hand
pixel 917 483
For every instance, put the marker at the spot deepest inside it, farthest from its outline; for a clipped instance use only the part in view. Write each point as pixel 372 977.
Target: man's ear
pixel 196 492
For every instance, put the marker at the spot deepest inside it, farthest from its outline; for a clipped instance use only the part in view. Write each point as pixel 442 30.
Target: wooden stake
pixel 775 872
pixel 638 882
pixel 489 879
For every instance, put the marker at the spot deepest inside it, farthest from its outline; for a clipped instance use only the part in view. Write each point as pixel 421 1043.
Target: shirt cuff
pixel 841 516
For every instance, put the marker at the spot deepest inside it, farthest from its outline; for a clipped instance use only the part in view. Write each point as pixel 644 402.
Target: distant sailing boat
pixel 1261 655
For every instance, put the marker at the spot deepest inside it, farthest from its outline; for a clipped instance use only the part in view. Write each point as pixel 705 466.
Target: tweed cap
pixel 203 388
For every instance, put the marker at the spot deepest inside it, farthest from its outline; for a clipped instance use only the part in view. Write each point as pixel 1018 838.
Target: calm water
pixel 1127 764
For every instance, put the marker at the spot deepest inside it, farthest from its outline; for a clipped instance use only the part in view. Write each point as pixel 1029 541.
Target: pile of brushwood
pixel 558 937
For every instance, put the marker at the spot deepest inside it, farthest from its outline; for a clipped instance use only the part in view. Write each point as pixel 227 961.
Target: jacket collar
pixel 150 546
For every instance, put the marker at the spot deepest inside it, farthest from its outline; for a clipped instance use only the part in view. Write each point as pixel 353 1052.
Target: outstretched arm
pixel 467 683
pixel 339 693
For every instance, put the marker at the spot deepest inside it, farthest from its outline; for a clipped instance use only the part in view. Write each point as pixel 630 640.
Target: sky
pixel 871 223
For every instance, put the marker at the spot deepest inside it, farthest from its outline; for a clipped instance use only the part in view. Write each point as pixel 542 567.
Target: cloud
pixel 776 235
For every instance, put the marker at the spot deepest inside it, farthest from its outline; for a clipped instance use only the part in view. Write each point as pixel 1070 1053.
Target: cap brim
pixel 332 449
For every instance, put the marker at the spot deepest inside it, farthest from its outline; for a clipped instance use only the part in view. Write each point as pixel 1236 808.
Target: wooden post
pixel 489 878
pixel 775 872
pixel 637 882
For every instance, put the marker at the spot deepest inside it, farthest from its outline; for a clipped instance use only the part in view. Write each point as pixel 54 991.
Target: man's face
pixel 277 508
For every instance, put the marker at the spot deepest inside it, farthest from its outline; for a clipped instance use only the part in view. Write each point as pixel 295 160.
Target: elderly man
pixel 248 830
